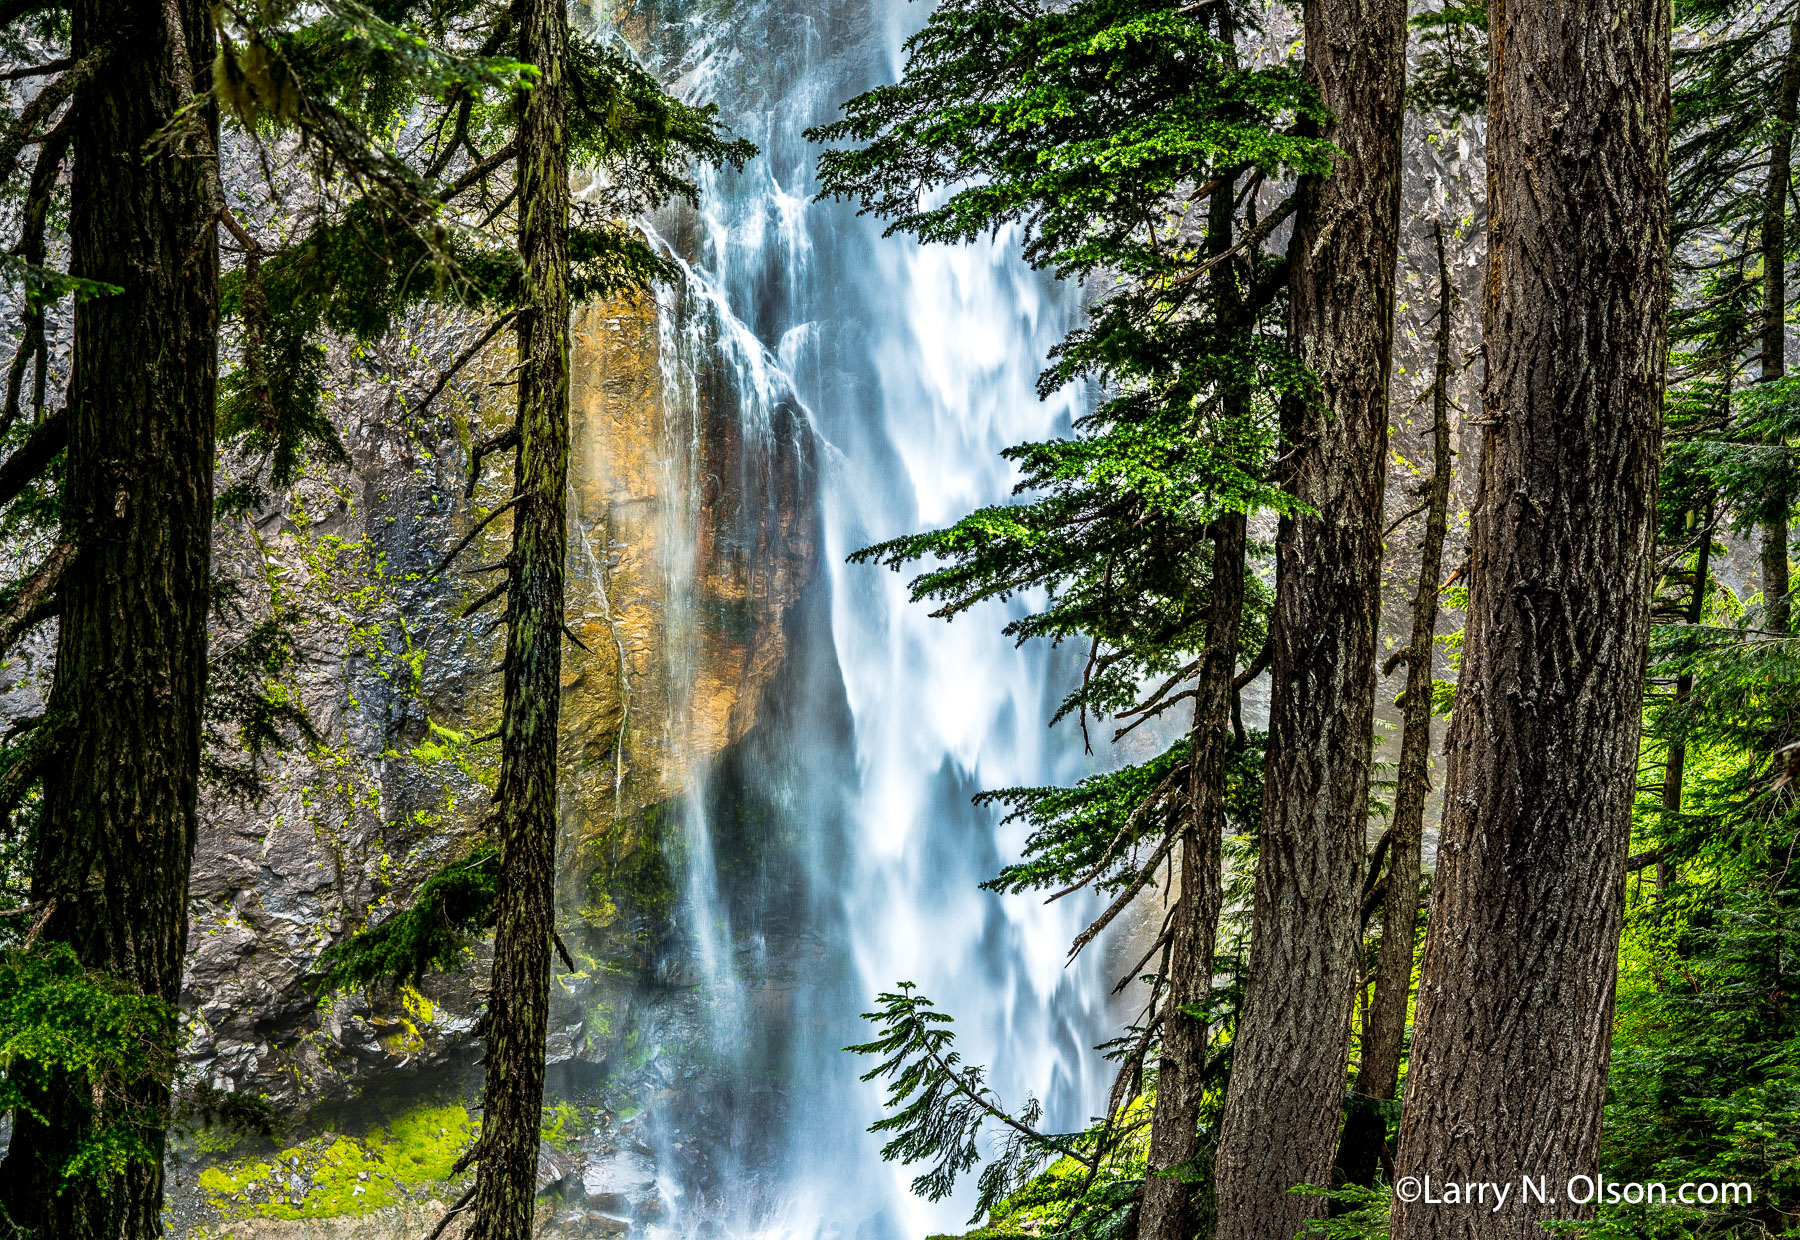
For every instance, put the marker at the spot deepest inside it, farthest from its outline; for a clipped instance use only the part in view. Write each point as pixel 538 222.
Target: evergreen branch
pixel 467 356
pixel 1125 897
pixel 468 538
pixel 1151 702
pixel 485 599
pixel 22 468
pixel 1258 667
pixel 479 171
pixel 23 770
pixel 24 128
pixel 1161 941
pixel 48 67
pixel 939 1105
pixel 1143 807
pixel 508 438
pixel 36 599
pixel 1252 238
pixel 462 1203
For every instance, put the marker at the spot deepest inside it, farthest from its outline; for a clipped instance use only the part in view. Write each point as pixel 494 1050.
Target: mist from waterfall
pixel 837 852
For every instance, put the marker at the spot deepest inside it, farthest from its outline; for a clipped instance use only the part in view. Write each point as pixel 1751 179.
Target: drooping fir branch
pixel 447 912
pixel 941 1105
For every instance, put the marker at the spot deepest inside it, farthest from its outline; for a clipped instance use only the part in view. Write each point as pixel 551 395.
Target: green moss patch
pixel 333 1174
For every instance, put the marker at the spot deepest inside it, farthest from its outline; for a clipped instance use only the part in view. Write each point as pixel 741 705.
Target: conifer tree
pixel 121 737
pixel 518 1004
pixel 1705 1047
pixel 590 101
pixel 1289 1057
pixel 1362 1146
pixel 1730 187
pixel 1128 140
pixel 1516 991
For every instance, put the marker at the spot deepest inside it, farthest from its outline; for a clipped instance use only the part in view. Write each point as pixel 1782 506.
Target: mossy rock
pixel 333 1175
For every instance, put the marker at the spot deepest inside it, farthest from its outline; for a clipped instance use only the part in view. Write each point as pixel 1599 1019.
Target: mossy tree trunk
pixel 120 791
pixel 1287 1082
pixel 519 997
pixel 1514 1024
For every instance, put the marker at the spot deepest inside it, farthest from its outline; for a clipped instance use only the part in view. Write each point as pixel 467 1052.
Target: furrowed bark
pixel 1514 1023
pixel 1384 1026
pixel 518 1001
pixel 1778 608
pixel 1287 1083
pixel 1167 1211
pixel 119 792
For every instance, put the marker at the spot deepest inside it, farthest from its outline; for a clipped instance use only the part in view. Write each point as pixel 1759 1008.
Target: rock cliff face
pixel 693 538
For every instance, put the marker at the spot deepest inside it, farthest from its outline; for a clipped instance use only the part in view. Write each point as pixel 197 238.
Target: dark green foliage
pixel 1131 147
pixel 623 122
pixel 1094 127
pixel 1705 1081
pixel 1706 1069
pixel 939 1106
pixel 1727 72
pixel 1096 832
pixel 402 238
pixel 251 711
pixel 448 911
pixel 1451 70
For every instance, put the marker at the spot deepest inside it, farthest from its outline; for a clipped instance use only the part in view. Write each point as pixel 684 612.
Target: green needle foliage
pixel 1705 1081
pixel 1092 128
pixel 641 145
pixel 1451 70
pixel 403 235
pixel 940 1107
pixel 1102 832
pixel 1132 149
pixel 448 912
pixel 56 1016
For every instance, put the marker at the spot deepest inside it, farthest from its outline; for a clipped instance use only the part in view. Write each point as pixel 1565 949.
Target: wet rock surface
pixel 692 541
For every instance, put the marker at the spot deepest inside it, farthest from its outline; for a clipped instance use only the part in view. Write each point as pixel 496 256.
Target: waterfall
pixel 837 853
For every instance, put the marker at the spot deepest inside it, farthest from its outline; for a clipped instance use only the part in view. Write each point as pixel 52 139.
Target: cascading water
pixel 836 852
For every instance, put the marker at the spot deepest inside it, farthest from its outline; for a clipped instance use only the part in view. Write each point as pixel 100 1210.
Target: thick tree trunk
pixel 1384 1027
pixel 1775 582
pixel 118 817
pixel 1167 1210
pixel 1287 1082
pixel 1514 1021
pixel 519 998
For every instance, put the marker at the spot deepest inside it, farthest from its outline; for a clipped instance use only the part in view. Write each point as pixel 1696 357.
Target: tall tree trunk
pixel 1384 1027
pixel 1168 1203
pixel 1775 583
pixel 119 798
pixel 519 998
pixel 1514 1023
pixel 1287 1080
pixel 1675 769
pixel 1167 1211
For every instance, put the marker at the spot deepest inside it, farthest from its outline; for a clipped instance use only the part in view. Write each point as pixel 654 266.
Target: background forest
pixel 466 764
